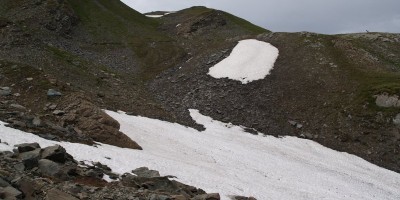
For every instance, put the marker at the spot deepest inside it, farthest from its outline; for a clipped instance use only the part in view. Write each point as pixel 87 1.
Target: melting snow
pixel 250 60
pixel 224 159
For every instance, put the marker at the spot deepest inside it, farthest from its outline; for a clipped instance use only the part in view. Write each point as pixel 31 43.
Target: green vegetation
pixel 245 24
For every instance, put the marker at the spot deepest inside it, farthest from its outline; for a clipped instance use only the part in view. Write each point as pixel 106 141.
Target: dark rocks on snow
pixel 146 172
pixel 27 147
pixel 49 179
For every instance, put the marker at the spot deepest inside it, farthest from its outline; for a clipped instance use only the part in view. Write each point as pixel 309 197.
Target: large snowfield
pixel 250 60
pixel 225 159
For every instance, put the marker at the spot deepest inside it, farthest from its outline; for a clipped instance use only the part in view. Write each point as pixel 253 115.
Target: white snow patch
pixel 154 16
pixel 226 160
pixel 250 60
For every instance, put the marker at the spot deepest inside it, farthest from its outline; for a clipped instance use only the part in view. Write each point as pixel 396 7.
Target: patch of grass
pixel 246 24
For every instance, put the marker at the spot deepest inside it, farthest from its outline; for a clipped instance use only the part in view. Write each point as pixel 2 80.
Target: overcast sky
pixel 322 16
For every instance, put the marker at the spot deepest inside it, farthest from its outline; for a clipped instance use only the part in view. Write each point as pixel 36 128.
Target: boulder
pixel 93 122
pixel 25 147
pixel 30 159
pixel 48 167
pixel 56 153
pixel 146 172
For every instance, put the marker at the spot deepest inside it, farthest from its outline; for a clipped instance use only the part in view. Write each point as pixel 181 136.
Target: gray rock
pixel 58 112
pixel 55 153
pixel 52 93
pixel 36 121
pixel 214 196
pixel 30 158
pixel 396 120
pixel 293 123
pixel 48 167
pixel 19 166
pixel 17 106
pixel 5 91
pixel 25 147
pixel 386 101
pixel 10 193
pixel 299 126
pixel 146 172
pixel 3 183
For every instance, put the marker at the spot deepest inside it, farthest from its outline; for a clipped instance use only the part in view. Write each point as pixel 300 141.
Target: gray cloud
pixel 322 16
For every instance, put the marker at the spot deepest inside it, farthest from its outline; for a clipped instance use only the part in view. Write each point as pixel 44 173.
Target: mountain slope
pixel 322 86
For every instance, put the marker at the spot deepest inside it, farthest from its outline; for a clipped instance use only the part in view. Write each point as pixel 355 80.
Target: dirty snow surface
pixel 250 60
pixel 225 159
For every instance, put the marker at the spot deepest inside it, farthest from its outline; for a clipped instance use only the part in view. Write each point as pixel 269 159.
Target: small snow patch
pixel 250 60
pixel 154 16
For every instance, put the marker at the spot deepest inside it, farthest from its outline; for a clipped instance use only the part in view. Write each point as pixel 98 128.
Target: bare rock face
pixel 90 120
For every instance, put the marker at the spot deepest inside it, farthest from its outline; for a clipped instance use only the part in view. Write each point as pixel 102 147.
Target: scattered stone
pixel 52 93
pixel 29 79
pixel 295 124
pixel 146 172
pixel 25 147
pixel 17 94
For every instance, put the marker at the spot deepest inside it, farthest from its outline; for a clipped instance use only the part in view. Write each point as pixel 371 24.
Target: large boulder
pixel 90 120
pixel 146 172
pixel 56 153
pixel 27 147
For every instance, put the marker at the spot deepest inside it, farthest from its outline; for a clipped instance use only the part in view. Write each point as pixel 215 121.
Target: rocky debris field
pixel 31 172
